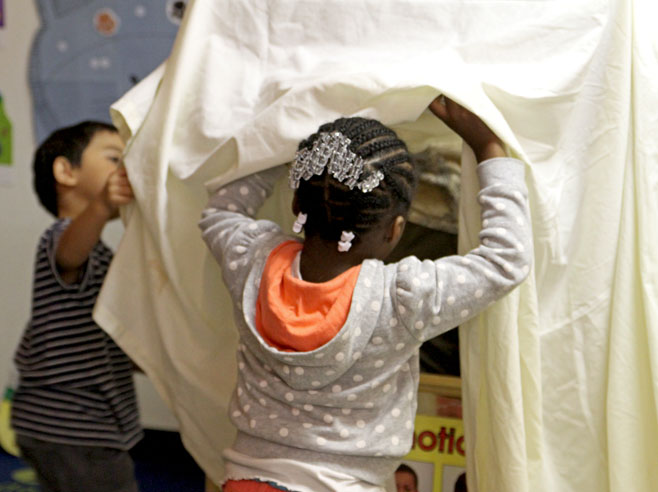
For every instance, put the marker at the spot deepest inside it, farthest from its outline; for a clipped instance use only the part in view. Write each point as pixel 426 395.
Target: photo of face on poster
pixel 414 476
pixel 454 479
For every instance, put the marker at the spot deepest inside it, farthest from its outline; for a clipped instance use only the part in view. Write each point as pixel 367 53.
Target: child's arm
pixel 84 231
pixel 435 296
pixel 227 223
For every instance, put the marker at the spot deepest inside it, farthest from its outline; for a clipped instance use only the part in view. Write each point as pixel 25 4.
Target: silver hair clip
pixel 345 242
pixel 331 150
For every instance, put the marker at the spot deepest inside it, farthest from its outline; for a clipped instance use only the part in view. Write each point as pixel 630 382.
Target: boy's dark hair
pixel 404 468
pixel 68 142
pixel 332 207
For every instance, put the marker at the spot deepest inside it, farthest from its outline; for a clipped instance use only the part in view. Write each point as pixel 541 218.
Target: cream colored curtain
pixel 561 388
pixel 560 377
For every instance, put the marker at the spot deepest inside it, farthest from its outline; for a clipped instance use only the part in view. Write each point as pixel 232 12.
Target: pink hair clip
pixel 299 222
pixel 345 242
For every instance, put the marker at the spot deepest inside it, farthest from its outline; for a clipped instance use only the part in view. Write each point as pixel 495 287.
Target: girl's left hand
pixel 470 127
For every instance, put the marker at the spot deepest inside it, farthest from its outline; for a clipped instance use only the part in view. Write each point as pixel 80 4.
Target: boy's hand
pixel 85 230
pixel 117 191
pixel 470 127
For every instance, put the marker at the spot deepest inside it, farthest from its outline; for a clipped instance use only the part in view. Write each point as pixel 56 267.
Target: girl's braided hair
pixel 332 207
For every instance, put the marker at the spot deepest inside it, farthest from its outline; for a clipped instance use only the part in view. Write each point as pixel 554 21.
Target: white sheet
pixel 560 378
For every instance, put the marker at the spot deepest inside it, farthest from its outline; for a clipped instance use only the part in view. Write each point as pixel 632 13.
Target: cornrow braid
pixel 332 207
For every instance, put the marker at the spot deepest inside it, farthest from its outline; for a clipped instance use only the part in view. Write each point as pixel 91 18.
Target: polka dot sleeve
pixel 435 296
pixel 231 233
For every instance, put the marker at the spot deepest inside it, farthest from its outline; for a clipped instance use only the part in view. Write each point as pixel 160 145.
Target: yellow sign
pixel 437 459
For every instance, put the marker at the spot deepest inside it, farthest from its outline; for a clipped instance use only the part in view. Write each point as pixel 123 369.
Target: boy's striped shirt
pixel 76 385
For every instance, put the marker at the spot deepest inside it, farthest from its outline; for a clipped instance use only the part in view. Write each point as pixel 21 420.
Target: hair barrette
pixel 299 222
pixel 330 150
pixel 345 242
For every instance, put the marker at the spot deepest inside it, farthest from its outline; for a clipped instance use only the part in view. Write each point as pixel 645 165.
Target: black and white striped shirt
pixel 76 385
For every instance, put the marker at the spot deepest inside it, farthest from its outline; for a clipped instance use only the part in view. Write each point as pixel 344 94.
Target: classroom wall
pixel 23 219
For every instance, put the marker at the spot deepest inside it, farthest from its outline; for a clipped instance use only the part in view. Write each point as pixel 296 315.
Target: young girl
pixel 329 333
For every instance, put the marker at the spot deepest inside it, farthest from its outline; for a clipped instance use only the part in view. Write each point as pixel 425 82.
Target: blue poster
pixel 88 53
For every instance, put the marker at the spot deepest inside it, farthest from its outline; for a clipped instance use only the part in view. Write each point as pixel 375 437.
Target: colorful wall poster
pixel 3 21
pixel 6 144
pixel 88 53
pixel 5 136
pixel 437 460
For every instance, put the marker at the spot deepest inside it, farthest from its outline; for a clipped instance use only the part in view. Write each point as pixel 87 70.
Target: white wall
pixel 23 219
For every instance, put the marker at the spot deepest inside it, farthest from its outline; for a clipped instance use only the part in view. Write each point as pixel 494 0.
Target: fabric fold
pixel 559 378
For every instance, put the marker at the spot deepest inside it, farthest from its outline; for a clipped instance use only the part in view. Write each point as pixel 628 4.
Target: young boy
pixel 74 412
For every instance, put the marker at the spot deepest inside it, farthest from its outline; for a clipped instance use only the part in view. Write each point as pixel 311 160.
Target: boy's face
pixel 100 158
pixel 405 482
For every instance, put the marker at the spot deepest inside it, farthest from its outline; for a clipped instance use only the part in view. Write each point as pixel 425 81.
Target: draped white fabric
pixel 561 377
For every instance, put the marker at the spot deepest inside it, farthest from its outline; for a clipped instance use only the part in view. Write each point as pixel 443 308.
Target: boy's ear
pixel 64 172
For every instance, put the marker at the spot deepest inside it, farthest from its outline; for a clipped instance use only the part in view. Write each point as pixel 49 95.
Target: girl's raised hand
pixel 470 127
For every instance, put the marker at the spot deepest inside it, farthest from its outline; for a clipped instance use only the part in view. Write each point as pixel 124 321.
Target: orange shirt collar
pixel 300 316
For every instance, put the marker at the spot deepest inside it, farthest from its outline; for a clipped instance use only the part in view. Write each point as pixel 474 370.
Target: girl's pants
pixel 251 486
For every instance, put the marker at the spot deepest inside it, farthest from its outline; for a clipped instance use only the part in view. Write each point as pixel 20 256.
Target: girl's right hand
pixel 470 127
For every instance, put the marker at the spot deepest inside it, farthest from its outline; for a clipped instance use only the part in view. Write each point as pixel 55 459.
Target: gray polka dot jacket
pixel 350 404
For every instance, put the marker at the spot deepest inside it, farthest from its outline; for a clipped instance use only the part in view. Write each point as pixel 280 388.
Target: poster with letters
pixel 437 460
